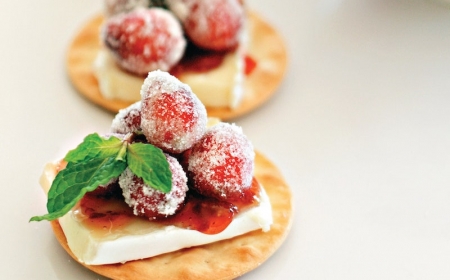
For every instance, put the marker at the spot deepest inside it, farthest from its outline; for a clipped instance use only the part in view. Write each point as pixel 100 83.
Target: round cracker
pixel 226 259
pixel 265 46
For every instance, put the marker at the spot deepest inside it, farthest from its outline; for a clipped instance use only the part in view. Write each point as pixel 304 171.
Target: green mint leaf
pixel 149 163
pixel 94 146
pixel 75 180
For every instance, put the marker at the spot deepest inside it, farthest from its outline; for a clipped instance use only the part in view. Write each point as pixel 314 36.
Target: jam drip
pixel 204 214
pixel 250 65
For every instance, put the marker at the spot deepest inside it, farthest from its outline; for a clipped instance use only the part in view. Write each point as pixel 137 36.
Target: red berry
pixel 149 202
pixel 128 119
pixel 213 24
pixel 221 163
pixel 144 40
pixel 172 117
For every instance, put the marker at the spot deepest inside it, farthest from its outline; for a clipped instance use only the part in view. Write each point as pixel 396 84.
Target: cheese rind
pixel 143 239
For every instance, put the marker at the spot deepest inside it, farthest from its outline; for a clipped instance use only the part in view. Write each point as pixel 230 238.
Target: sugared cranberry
pixel 144 39
pixel 221 163
pixel 211 24
pixel 172 116
pixel 127 120
pixel 149 202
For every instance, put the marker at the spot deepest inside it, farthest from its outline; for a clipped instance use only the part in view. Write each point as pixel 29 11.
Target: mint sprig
pixel 96 161
pixel 94 146
pixel 75 180
pixel 144 161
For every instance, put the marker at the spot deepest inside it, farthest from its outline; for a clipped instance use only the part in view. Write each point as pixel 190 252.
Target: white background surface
pixel 359 127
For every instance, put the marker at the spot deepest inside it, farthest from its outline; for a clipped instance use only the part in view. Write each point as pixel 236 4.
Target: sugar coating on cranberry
pixel 127 120
pixel 172 116
pixel 149 202
pixel 221 163
pixel 113 7
pixel 211 24
pixel 144 39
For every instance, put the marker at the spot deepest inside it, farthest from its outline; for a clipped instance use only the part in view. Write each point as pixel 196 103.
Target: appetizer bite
pixel 231 58
pixel 167 186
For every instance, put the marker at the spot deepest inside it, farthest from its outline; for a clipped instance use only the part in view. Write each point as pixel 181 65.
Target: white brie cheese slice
pixel 113 82
pixel 143 239
pixel 218 87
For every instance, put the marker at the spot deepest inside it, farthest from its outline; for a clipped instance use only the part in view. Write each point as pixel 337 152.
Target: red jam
pixel 105 213
pixel 209 215
pixel 203 214
pixel 206 215
pixel 250 65
pixel 200 61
